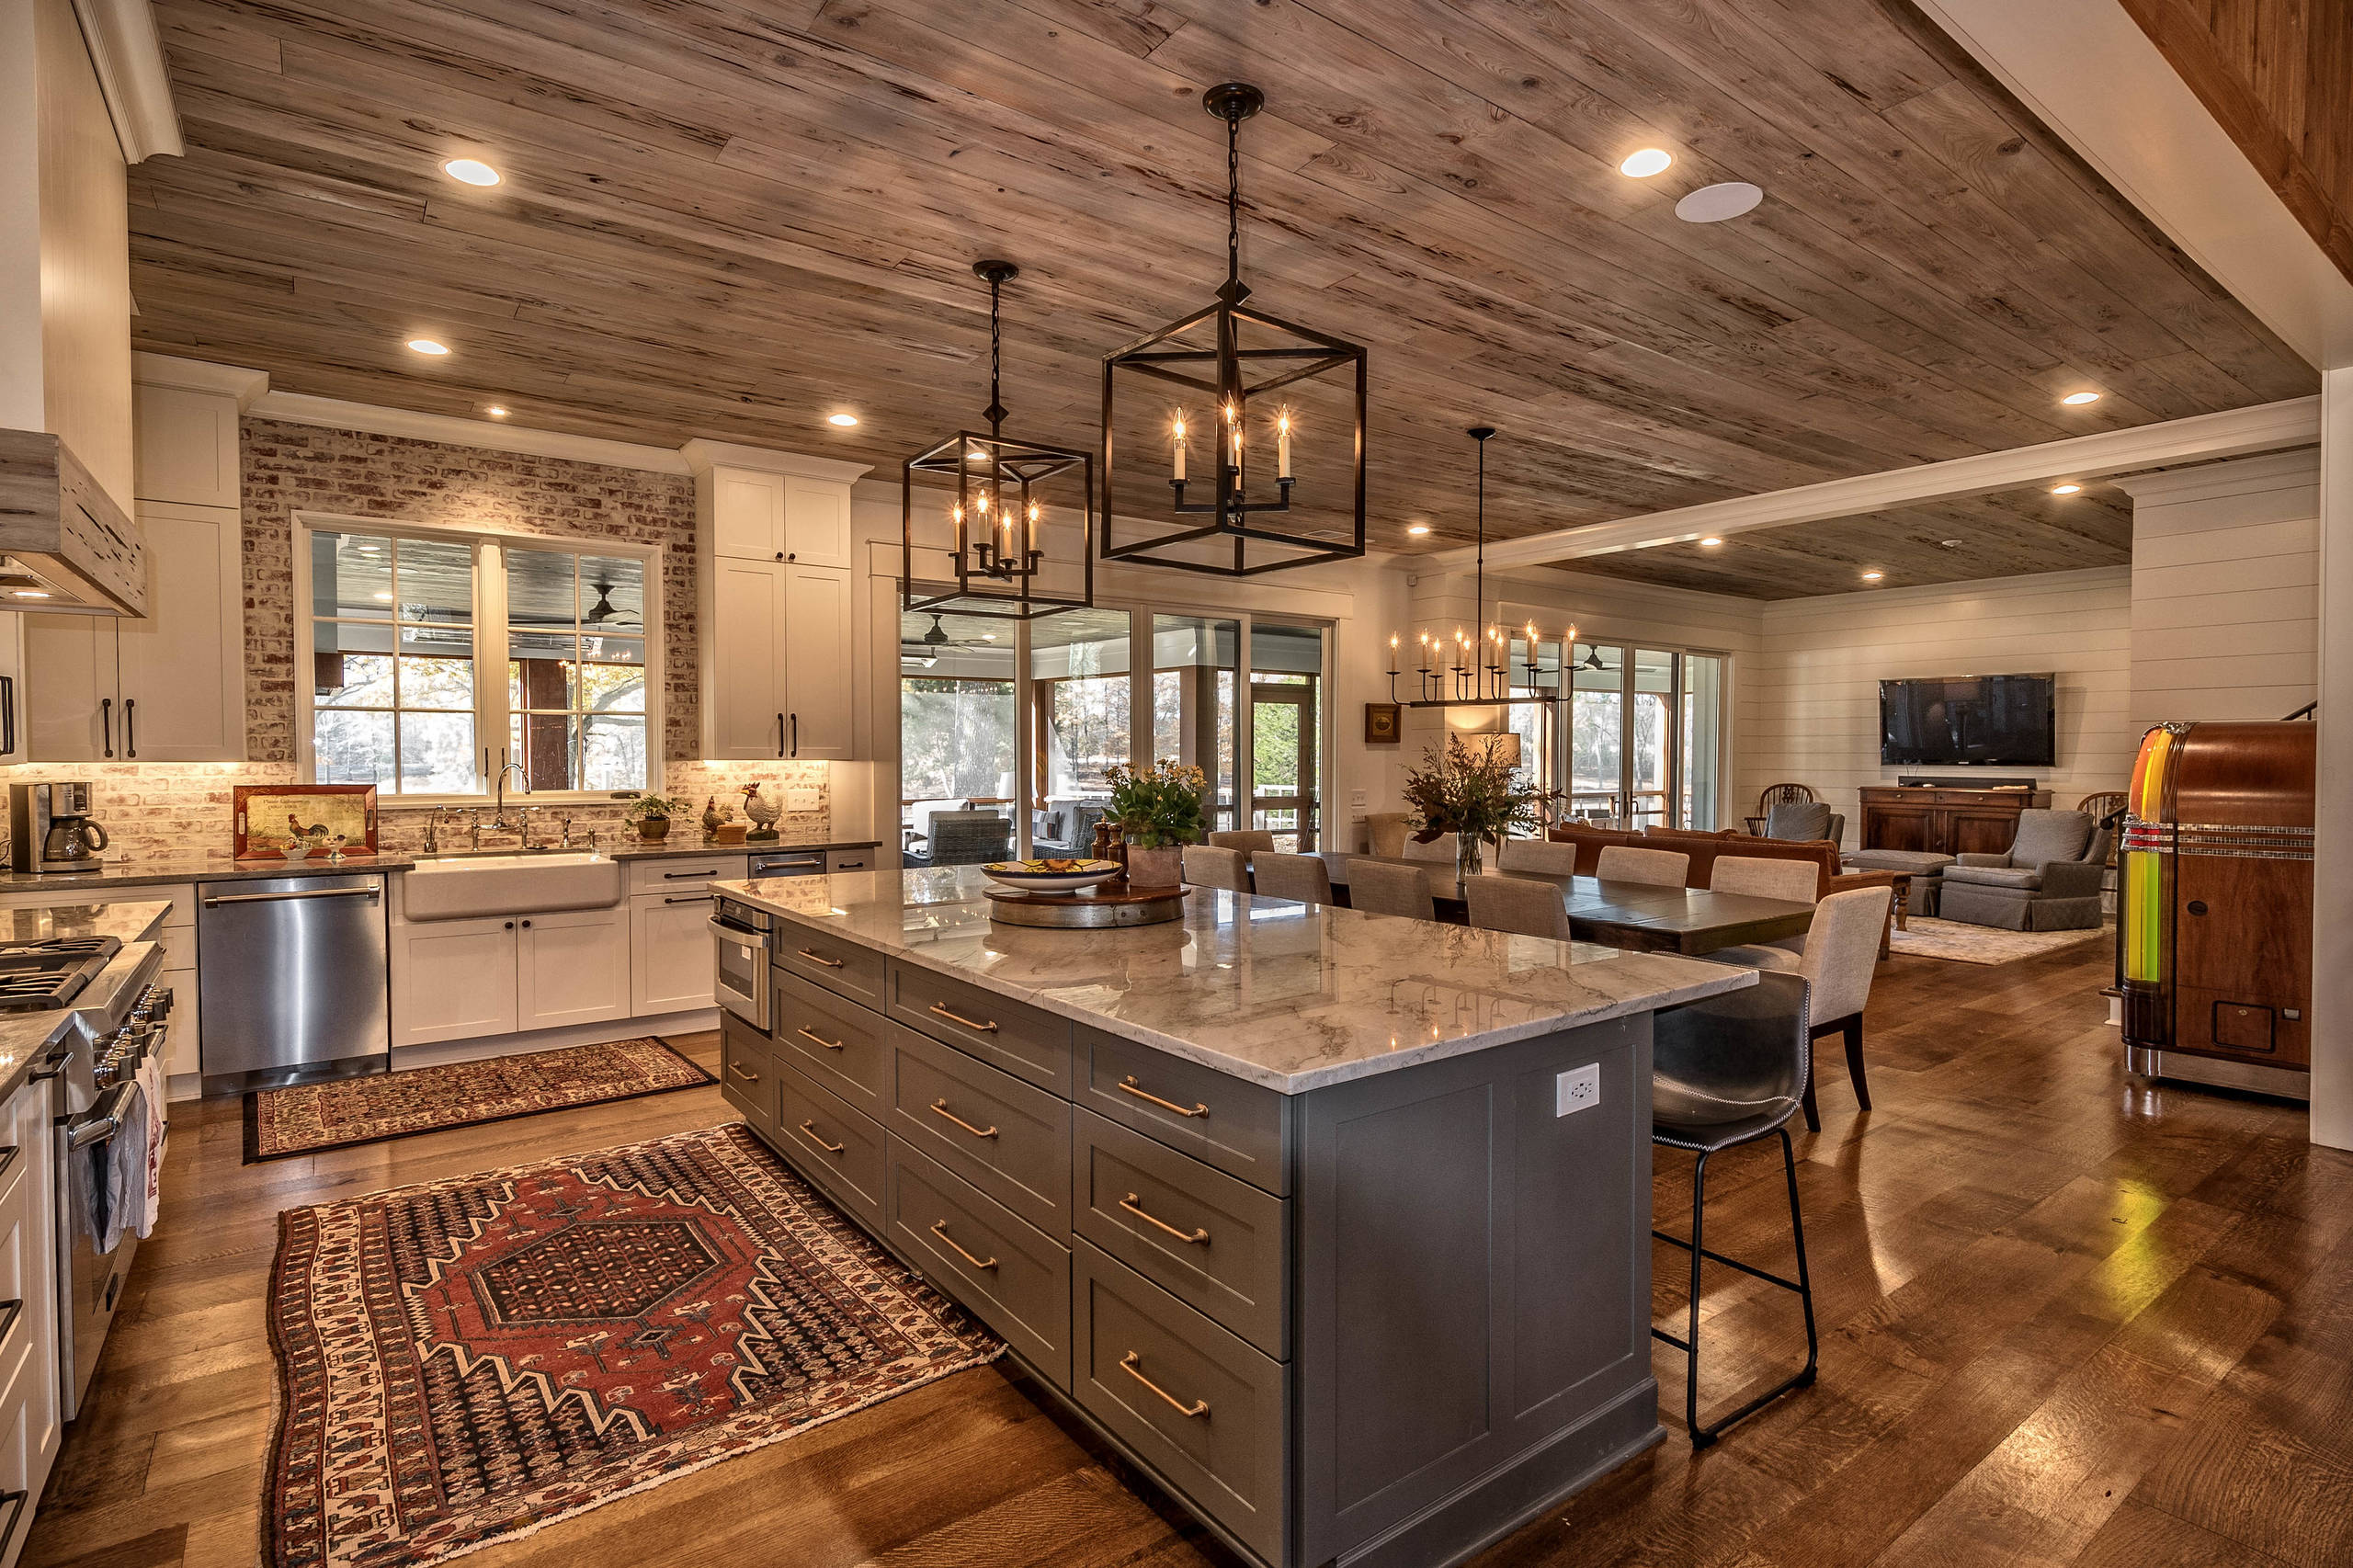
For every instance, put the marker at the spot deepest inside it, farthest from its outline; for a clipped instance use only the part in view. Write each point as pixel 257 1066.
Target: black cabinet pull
pixel 8 715
pixel 780 734
pixel 526 924
pixel 131 728
pixel 510 924
pixel 683 898
pixel 106 725
pixel 796 735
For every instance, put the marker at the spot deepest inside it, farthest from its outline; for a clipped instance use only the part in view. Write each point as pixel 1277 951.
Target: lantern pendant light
pixel 1005 490
pixel 1236 363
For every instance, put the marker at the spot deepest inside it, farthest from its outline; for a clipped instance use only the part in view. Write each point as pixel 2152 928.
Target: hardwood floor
pixel 2066 1319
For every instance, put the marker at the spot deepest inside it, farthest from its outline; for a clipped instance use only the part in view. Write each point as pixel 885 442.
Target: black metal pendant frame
pixel 998 564
pixel 1231 376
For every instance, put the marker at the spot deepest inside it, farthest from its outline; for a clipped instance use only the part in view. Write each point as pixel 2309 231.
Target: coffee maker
pixel 50 828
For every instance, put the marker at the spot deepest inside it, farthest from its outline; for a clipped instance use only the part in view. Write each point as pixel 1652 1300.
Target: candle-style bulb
pixel 1282 444
pixel 1180 447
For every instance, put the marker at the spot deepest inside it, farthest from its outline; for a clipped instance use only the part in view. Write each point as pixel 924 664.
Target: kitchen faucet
pixel 499 822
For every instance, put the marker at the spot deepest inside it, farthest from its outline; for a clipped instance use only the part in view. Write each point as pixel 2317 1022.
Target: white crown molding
pixel 200 375
pixel 299 408
pixel 129 60
pixel 2201 438
pixel 702 456
pixel 2209 482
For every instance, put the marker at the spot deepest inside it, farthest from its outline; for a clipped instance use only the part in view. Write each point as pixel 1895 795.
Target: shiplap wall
pixel 1808 700
pixel 2225 589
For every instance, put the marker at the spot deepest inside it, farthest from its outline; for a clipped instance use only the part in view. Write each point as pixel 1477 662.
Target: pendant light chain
pixel 1232 199
pixel 996 399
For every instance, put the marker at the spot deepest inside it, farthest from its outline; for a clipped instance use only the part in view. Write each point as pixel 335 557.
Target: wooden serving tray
pixel 1088 909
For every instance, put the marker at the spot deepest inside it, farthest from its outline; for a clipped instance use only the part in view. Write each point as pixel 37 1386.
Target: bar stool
pixel 1726 1071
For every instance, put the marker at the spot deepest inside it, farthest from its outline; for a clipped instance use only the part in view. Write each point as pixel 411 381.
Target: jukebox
pixel 2214 926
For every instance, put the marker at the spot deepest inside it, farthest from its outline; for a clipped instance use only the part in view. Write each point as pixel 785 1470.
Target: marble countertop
pixel 1290 995
pixel 25 1036
pixel 631 849
pixel 160 870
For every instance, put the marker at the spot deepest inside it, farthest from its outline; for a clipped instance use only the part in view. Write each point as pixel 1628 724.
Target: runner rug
pixel 307 1117
pixel 465 1361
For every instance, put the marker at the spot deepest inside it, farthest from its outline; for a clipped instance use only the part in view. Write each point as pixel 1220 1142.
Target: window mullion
pixel 492 718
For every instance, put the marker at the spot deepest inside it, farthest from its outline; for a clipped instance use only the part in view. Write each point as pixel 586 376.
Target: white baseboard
pixel 433 1056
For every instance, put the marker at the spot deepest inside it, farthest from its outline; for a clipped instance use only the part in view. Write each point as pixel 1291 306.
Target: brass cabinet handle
pixel 819 1140
pixel 737 1068
pixel 1130 1364
pixel 820 957
pixel 960 1019
pixel 1131 1204
pixel 1128 1085
pixel 939 1228
pixel 940 1107
pixel 821 1039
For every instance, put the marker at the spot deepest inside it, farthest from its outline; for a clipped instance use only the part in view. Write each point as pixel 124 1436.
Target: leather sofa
pixel 1704 847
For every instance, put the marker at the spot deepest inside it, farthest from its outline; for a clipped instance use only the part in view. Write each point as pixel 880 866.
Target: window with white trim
pixel 403 625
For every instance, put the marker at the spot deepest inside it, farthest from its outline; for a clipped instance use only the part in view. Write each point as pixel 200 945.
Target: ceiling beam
pixel 2203 437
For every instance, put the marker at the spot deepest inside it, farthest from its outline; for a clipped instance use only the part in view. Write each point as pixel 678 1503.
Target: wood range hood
pixel 66 546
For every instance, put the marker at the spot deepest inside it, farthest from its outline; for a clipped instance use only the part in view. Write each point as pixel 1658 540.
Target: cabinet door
pixel 1898 827
pixel 746 652
pixel 71 714
pixel 816 522
pixel 187 446
pixel 453 980
pixel 819 693
pixel 1979 830
pixel 747 514
pixel 669 953
pixel 180 671
pixel 572 967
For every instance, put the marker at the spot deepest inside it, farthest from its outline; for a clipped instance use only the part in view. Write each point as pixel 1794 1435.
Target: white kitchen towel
pixel 110 1179
pixel 159 1128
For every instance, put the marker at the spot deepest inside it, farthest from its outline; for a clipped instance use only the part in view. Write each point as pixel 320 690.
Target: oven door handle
pixel 742 935
pixel 102 1121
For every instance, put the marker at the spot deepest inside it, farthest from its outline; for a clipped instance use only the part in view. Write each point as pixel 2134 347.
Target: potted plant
pixel 1473 793
pixel 652 814
pixel 1158 810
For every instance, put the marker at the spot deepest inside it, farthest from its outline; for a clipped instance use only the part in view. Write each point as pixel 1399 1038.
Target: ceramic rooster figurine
pixel 762 811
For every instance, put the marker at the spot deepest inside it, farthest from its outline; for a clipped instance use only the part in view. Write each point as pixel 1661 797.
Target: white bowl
pixel 1023 874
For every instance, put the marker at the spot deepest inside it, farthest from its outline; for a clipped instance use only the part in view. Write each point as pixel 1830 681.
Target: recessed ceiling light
pixel 1949 543
pixel 988 636
pixel 471 171
pixel 2067 489
pixel 1714 203
pixel 2076 399
pixel 495 412
pixel 844 420
pixel 1417 530
pixel 1646 163
pixel 427 345
pixel 32 593
pixel 1709 543
pixel 384 598
pixel 1874 576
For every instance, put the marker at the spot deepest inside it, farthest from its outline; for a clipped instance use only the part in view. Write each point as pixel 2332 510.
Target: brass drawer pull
pixel 821 1039
pixel 1131 1206
pixel 960 1019
pixel 939 1228
pixel 940 1107
pixel 1130 1364
pixel 1128 1085
pixel 819 1140
pixel 820 957
pixel 737 1068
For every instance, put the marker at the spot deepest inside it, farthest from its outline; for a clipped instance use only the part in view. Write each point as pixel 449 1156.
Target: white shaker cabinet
pixel 669 953
pixel 453 979
pixel 572 967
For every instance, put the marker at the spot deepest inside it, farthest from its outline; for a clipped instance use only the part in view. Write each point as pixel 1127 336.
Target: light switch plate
pixel 803 800
pixel 1579 1088
pixel 1356 797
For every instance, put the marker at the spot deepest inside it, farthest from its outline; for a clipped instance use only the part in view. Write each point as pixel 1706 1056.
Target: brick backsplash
pixel 181 808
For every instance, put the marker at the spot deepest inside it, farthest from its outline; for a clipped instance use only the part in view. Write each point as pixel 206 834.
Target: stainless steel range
pixel 50 972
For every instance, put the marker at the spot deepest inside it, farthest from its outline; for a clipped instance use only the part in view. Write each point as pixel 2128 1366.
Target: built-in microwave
pixel 741 935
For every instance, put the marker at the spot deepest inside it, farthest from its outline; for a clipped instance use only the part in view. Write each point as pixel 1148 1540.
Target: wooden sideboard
pixel 1946 821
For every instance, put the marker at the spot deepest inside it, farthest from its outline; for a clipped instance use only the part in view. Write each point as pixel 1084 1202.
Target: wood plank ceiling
pixel 730 219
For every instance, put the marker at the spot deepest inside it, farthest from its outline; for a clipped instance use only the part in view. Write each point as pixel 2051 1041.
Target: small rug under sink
pixel 307 1117
pixel 470 1361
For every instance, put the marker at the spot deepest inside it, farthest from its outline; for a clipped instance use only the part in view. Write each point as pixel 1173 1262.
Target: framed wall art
pixel 295 822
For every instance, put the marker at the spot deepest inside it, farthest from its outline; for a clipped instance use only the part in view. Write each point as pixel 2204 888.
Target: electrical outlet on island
pixel 1579 1088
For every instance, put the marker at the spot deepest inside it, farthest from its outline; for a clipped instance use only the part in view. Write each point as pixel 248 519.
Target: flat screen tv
pixel 1958 720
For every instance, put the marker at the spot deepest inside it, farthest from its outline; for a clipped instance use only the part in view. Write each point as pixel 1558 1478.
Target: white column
pixel 2332 1031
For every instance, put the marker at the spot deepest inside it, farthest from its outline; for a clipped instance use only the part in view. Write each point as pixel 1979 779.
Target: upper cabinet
pixel 186 447
pixel 780 659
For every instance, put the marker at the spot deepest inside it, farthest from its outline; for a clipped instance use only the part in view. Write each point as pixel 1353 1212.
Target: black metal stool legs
pixel 1701 1436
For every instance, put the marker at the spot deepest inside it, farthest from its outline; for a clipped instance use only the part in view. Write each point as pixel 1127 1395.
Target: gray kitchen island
pixel 1338 1224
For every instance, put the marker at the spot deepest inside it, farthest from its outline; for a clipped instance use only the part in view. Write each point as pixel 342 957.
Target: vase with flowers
pixel 1474 793
pixel 1158 810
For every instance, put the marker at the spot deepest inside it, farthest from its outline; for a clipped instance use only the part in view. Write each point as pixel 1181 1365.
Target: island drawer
pixel 843 1150
pixel 843 1046
pixel 837 965
pixel 745 1076
pixel 1023 1040
pixel 1204 1409
pixel 1220 1120
pixel 1013 1276
pixel 1007 1138
pixel 1216 1243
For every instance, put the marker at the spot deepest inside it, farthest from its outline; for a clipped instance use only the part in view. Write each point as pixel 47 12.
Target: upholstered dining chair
pixel 1793 880
pixel 1775 795
pixel 1438 848
pixel 1841 954
pixel 1539 855
pixel 1516 906
pixel 1658 867
pixel 1243 838
pixel 1209 866
pixel 1726 1071
pixel 1378 887
pixel 1302 877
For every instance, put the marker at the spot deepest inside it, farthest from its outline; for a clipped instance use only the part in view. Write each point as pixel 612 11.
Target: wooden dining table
pixel 1635 916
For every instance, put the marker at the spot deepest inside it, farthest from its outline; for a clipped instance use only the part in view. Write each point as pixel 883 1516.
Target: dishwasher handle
pixel 216 901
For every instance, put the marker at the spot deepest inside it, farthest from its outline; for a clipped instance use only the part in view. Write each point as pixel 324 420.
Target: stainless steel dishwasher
pixel 291 979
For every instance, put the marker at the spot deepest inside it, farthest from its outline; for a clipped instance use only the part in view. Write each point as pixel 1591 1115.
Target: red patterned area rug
pixel 307 1117
pixel 466 1361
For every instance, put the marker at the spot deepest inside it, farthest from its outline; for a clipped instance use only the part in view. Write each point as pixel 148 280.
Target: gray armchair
pixel 968 839
pixel 2048 880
